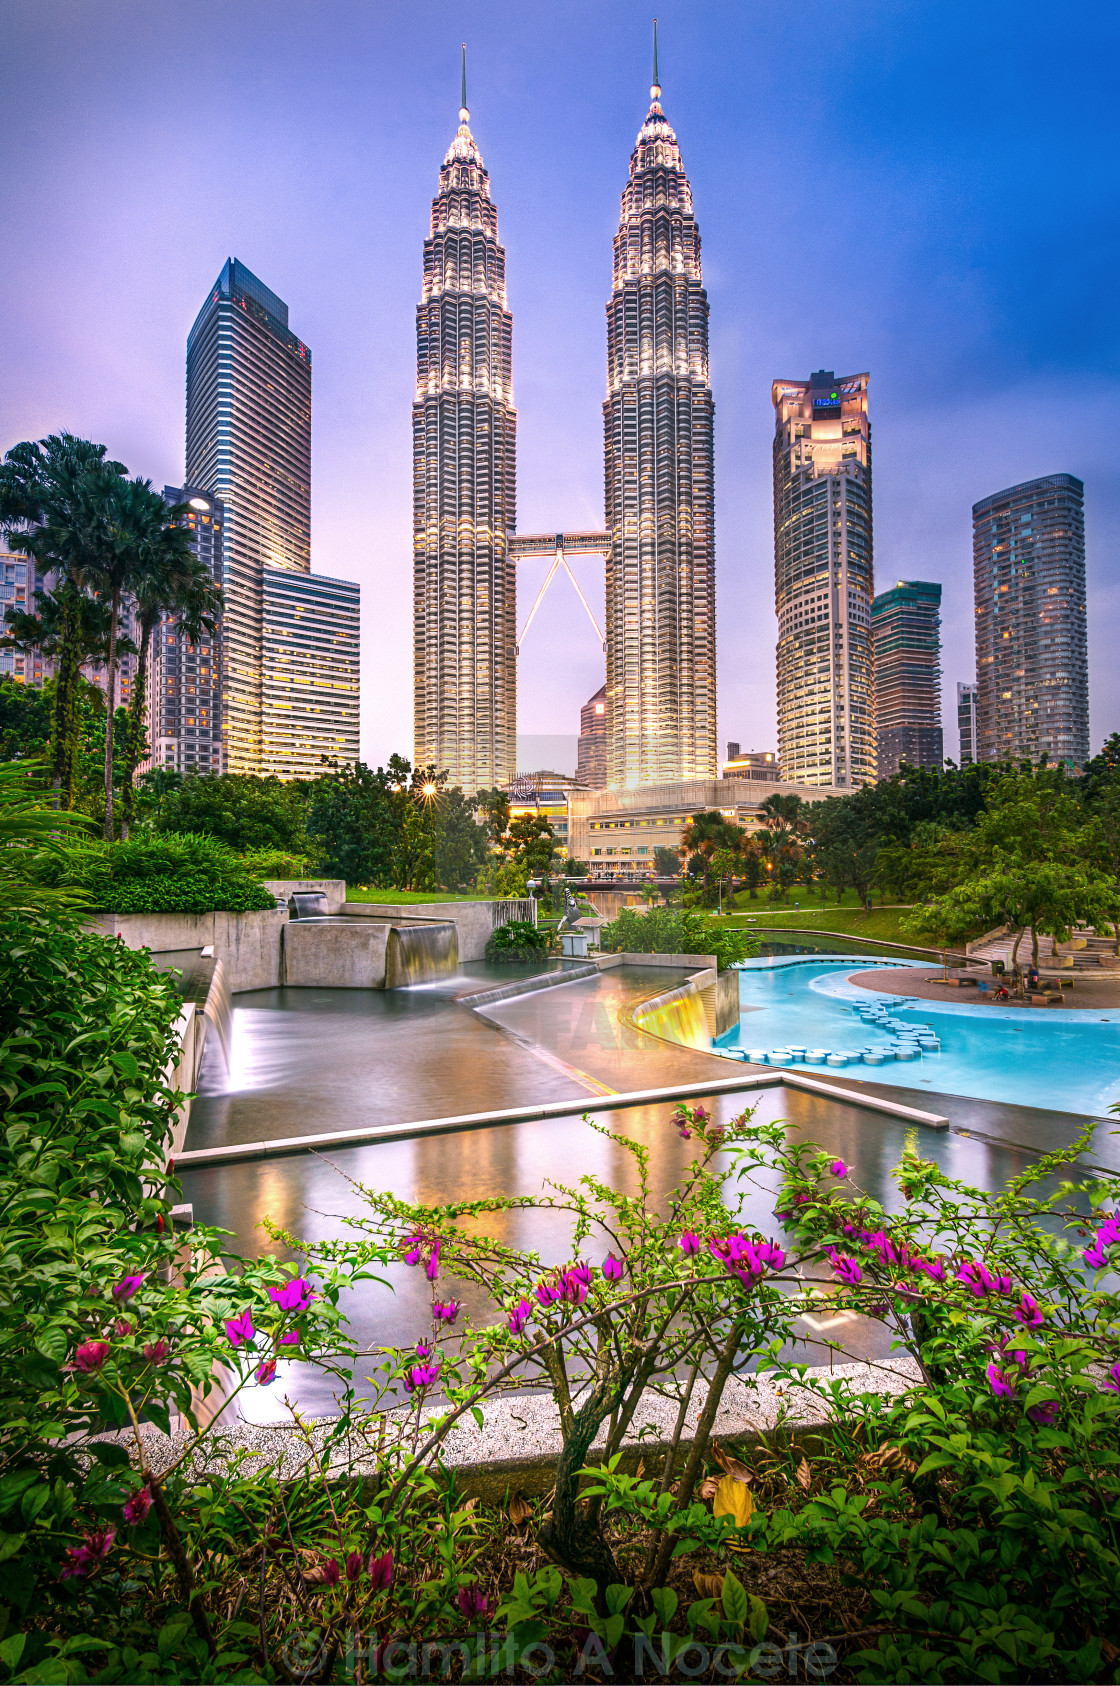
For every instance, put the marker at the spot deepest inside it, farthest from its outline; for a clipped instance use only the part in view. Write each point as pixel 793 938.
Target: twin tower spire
pixel 658 542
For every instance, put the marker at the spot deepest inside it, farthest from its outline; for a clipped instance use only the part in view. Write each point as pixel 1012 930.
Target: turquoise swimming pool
pixel 806 1008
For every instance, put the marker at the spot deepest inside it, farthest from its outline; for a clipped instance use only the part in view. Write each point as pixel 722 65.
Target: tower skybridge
pixel 524 547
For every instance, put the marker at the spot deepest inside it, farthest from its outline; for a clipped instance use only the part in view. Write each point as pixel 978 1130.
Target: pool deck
pixel 1089 993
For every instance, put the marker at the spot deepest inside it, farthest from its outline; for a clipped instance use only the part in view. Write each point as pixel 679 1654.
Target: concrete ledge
pixel 248 944
pixel 519 1441
pixel 333 888
pixel 528 986
pixel 912 1114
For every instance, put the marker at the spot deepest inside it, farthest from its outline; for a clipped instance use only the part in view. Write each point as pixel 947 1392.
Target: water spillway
pixel 418 954
pixel 307 904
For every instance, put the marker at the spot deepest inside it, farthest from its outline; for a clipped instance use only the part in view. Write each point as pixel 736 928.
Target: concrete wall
pixel 335 956
pixel 333 888
pixel 474 920
pixel 247 943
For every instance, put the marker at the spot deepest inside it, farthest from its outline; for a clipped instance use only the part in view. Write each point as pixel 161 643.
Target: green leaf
pixel 665 1602
pixel 9 1545
pixel 11 1650
pixel 52 1342
pixel 759 1621
pixel 171 1635
pixel 734 1598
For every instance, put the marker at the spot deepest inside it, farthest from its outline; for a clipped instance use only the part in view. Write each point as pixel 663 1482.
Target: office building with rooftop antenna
pixel 658 416
pixel 464 435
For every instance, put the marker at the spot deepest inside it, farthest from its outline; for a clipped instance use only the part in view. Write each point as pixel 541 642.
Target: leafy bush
pixel 154 874
pixel 238 809
pixel 278 863
pixel 664 930
pixel 517 940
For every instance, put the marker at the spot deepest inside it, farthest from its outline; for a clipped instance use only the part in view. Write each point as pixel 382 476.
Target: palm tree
pixel 47 488
pixel 176 582
pixel 706 832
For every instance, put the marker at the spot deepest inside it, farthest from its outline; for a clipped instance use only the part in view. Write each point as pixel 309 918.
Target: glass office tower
pixel 906 634
pixel 658 421
pixel 464 442
pixel 824 580
pixel 249 445
pixel 184 683
pixel 309 673
pixel 1032 660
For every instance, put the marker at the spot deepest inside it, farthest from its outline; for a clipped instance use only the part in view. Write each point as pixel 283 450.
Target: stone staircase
pixel 1083 953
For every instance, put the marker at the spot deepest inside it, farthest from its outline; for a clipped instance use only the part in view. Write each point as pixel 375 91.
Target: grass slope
pixel 882 924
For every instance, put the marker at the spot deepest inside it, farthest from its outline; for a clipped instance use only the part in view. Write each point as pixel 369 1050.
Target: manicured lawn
pixel 355 893
pixel 881 924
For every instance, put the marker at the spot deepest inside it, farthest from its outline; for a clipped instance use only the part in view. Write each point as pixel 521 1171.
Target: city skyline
pixel 968 369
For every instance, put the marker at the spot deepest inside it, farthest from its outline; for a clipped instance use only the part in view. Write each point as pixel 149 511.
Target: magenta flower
pixel 772 1254
pixel 1028 1312
pixel 472 1603
pixel 612 1268
pixel 126 1287
pixel 290 1339
pixel 838 1168
pixel 700 1115
pixel 353 1565
pixel 1113 1383
pixel 266 1371
pixel 123 1328
pixel 423 1350
pixel 999 1383
pixel 381 1571
pixel 880 1242
pixel 519 1316
pixel 239 1330
pixel 90 1356
pixel 977 1278
pixel 84 1559
pixel 412 1249
pixel 433 1261
pixel 580 1272
pixel 572 1288
pixel 689 1243
pixel 295 1295
pixel 331 1571
pixel 547 1292
pixel 1095 1256
pixel 933 1268
pixel 445 1311
pixel 137 1507
pixel 157 1352
pixel 845 1268
pixel 1043 1414
pixel 420 1376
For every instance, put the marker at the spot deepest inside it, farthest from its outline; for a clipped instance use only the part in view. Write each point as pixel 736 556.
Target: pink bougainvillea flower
pixel 547 1292
pixel 612 1268
pixel 999 1383
pixel 472 1603
pixel 123 1328
pixel 1044 1413
pixel 353 1565
pixel 266 1371
pixel 772 1254
pixel 933 1268
pixel 423 1350
pixel 978 1279
pixel 445 1311
pixel 90 1356
pixel 580 1272
pixel 290 1339
pixel 1028 1312
pixel 295 1295
pixel 411 1249
pixel 1095 1256
pixel 1113 1383
pixel 137 1507
pixel 700 1115
pixel 420 1376
pixel 838 1168
pixel 90 1555
pixel 239 1330
pixel 157 1352
pixel 845 1268
pixel 381 1571
pixel 689 1243
pixel 433 1262
pixel 332 1574
pixel 519 1316
pixel 126 1287
pixel 572 1289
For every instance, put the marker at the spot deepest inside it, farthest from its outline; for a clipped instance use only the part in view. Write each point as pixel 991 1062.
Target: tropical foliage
pixel 517 939
pixel 154 874
pixel 666 930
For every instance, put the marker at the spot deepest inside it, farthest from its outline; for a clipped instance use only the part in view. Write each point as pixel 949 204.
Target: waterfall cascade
pixel 676 1016
pixel 218 1010
pixel 421 953
pixel 307 904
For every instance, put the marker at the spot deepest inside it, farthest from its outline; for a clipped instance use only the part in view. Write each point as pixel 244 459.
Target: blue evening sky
pixel 926 191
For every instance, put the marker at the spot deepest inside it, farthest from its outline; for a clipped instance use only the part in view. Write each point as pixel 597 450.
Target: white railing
pixel 523 908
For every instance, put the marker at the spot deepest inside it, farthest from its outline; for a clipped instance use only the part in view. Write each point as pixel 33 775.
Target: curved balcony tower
pixel 464 435
pixel 660 575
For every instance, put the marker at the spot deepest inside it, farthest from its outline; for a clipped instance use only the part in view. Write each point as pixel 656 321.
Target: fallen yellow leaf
pixel 733 1498
pixel 708 1586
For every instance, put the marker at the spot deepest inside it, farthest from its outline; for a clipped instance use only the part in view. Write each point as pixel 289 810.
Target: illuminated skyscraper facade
pixel 1032 660
pixel 249 444
pixel 464 435
pixel 660 569
pixel 906 636
pixel 824 580
pixel 184 682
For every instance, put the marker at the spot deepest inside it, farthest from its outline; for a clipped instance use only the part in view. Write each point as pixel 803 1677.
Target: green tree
pixel 41 632
pixel 705 832
pixel 353 822
pixel 53 493
pixel 460 842
pixel 532 844
pixel 846 844
pixel 172 581
pixel 493 805
pixel 239 809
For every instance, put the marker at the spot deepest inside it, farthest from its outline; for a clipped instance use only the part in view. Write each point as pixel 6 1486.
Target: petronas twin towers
pixel 658 542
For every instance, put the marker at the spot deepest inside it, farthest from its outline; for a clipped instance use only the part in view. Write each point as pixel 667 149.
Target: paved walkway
pixel 1090 993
